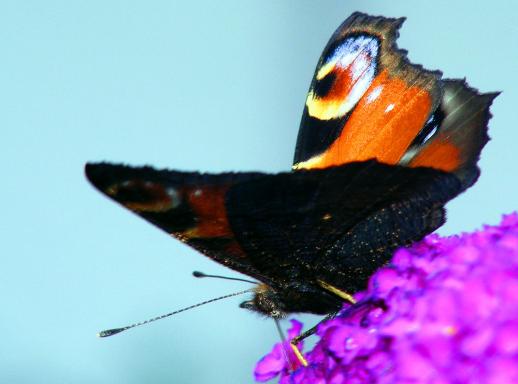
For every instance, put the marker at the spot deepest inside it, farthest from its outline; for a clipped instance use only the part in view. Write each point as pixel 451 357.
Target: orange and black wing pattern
pixel 383 145
pixel 189 206
pixel 367 101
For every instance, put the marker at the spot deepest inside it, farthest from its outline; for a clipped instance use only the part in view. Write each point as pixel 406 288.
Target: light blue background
pixel 199 85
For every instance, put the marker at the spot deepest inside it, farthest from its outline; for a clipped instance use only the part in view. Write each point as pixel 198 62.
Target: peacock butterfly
pixel 383 145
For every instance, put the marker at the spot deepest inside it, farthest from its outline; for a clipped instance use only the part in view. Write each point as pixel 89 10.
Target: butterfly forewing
pixel 366 100
pixel 187 205
pixel 287 229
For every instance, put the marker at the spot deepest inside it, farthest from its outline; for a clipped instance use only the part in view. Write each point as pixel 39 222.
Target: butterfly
pixel 383 145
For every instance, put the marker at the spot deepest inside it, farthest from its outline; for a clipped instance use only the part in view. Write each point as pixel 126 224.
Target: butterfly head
pixel 267 302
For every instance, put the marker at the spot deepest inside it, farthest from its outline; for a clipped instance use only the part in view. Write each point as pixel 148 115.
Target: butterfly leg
pixel 342 294
pixel 309 332
pixel 303 335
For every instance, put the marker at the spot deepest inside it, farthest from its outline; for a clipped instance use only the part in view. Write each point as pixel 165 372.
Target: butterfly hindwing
pixel 453 141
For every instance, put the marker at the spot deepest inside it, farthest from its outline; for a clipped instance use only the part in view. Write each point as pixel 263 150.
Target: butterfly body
pixel 383 145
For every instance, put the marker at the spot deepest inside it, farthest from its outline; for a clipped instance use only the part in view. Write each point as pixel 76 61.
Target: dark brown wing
pixel 189 206
pixel 341 221
pixel 278 228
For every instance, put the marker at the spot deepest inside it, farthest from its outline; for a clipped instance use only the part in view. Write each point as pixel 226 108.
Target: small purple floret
pixel 281 360
pixel 444 311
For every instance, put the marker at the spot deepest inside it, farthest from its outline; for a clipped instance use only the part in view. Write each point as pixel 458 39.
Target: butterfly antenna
pixel 199 274
pixel 114 331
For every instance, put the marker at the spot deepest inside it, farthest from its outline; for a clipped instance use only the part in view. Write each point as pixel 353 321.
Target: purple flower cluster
pixel 444 311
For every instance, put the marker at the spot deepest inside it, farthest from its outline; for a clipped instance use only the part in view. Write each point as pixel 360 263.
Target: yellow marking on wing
pixel 325 69
pixel 323 109
pixel 308 164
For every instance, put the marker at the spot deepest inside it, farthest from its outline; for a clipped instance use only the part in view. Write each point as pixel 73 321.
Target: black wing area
pixel 336 224
pixel 288 227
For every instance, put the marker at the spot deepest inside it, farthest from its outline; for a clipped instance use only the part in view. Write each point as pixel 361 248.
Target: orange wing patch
pixel 211 221
pixel 383 124
pixel 460 135
pixel 366 100
pixel 439 155
pixel 208 205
